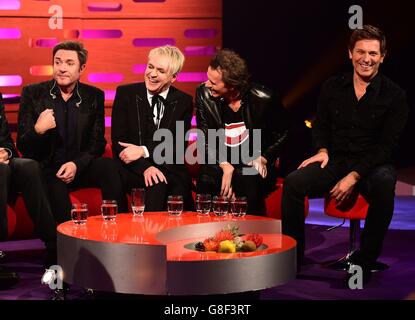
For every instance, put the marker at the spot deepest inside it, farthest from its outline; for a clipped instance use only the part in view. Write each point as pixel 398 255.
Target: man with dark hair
pixel 360 117
pixel 23 175
pixel 61 125
pixel 238 110
pixel 139 111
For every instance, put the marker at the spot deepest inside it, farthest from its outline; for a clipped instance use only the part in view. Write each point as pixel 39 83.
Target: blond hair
pixel 176 57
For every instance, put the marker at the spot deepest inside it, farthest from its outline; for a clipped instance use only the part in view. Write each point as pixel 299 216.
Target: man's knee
pixel 293 183
pixel 27 167
pixel 157 188
pixel 383 178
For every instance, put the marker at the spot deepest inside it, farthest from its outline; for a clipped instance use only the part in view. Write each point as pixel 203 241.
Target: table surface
pixel 144 230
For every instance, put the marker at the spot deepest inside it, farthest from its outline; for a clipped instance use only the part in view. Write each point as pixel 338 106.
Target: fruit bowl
pixel 228 240
pixel 192 246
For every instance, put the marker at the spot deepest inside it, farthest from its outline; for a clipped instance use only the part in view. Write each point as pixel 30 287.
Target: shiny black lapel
pixel 169 108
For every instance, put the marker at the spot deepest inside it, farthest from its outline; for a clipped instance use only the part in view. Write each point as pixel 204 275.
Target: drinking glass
pixel 203 203
pixel 175 205
pixel 79 213
pixel 239 206
pixel 138 201
pixel 109 209
pixel 220 206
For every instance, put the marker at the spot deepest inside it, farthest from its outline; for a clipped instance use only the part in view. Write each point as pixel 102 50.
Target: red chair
pixel 355 209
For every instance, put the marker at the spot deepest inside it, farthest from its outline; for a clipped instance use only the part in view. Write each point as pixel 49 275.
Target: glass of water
pixel 138 201
pixel 220 206
pixel 203 203
pixel 175 205
pixel 79 213
pixel 109 209
pixel 239 206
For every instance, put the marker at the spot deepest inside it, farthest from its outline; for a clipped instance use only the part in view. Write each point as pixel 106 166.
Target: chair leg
pixel 344 262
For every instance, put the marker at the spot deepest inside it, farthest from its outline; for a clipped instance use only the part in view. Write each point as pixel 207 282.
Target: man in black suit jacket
pixel 140 110
pixel 61 125
pixel 23 175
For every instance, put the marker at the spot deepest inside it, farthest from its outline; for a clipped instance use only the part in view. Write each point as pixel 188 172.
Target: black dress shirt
pixel 66 116
pixel 364 132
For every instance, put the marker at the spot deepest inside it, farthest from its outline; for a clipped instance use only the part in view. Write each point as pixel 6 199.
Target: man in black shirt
pixel 61 125
pixel 229 103
pixel 360 117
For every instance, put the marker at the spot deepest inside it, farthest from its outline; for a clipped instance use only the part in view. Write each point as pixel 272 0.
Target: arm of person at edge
pixel 277 125
pixel 7 149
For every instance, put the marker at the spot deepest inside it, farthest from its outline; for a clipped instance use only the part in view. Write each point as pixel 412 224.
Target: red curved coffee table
pixel 147 255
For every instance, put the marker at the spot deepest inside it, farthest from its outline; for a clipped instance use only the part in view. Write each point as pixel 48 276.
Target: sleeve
pixel 395 121
pixel 119 131
pixel 95 145
pixel 277 128
pixel 29 142
pixel 211 153
pixel 6 141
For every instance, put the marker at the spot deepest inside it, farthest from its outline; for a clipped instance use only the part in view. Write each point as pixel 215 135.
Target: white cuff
pixel 146 154
pixel 9 152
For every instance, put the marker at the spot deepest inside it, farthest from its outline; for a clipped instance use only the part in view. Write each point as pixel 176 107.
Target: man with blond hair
pixel 139 110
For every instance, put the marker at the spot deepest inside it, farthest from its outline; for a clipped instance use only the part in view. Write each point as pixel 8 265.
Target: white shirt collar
pixel 162 94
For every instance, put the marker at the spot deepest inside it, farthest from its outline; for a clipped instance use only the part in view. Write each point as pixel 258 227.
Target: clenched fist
pixel 45 122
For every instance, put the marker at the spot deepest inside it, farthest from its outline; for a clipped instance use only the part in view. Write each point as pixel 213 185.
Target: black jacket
pixel 90 136
pixel 132 122
pixel 363 133
pixel 5 137
pixel 261 109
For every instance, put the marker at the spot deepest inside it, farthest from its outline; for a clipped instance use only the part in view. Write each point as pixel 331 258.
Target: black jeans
pixel 101 173
pixel 249 186
pixel 156 195
pixel 378 187
pixel 24 175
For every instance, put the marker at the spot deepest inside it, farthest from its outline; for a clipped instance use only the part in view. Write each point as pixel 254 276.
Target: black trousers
pixel 378 187
pixel 156 195
pixel 25 176
pixel 101 173
pixel 249 186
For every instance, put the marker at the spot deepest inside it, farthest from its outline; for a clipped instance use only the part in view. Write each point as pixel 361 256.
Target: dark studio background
pixel 293 46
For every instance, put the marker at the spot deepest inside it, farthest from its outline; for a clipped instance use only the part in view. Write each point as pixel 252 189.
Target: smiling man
pixel 61 125
pixel 228 102
pixel 139 110
pixel 360 117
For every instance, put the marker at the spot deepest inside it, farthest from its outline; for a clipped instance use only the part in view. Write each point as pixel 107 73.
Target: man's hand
pixel 226 187
pixel 4 156
pixel 153 174
pixel 344 187
pixel 45 122
pixel 131 152
pixel 67 172
pixel 260 165
pixel 321 156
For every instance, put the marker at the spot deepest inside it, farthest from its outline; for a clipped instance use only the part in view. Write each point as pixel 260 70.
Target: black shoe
pixel 8 278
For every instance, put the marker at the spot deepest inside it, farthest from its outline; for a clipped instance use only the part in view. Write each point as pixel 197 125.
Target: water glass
pixel 175 205
pixel 220 206
pixel 203 203
pixel 137 201
pixel 79 213
pixel 239 206
pixel 109 209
